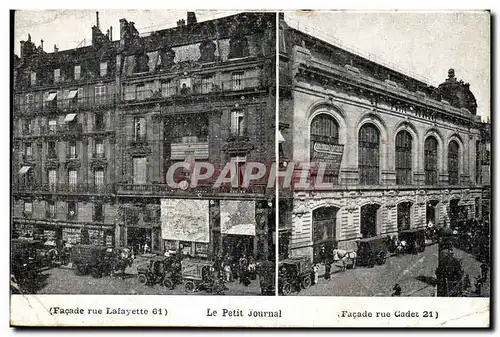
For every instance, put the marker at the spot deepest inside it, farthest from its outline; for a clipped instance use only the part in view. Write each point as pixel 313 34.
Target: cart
pixel 415 240
pixel 160 269
pixel 372 251
pixel 295 273
pixel 196 274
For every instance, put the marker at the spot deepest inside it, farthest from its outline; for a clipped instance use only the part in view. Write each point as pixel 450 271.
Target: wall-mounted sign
pixel 185 220
pixel 237 217
pixel 329 153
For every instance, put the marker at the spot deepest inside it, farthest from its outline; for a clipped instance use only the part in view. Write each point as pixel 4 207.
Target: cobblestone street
pixel 414 273
pixel 63 280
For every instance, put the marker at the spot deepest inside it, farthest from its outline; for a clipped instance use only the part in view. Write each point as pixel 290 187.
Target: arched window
pixel 430 159
pixel 403 158
pixel 453 163
pixel 368 155
pixel 324 130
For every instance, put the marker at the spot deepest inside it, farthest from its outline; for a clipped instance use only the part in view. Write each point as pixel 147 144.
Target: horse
pixel 400 246
pixel 345 256
pixel 123 260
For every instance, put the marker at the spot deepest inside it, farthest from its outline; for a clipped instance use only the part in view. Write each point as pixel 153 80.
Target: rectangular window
pixel 98 212
pixel 52 125
pixel 28 150
pixel 51 149
pixel 100 94
pixel 57 75
pixel 207 83
pixel 28 207
pixel 140 170
pixel 167 89
pixel 51 209
pixel 30 99
pixel 52 179
pixel 33 78
pixel 98 178
pixel 237 79
pixel 129 92
pixel 139 129
pixel 27 126
pixel 71 209
pixel 72 179
pixel 240 162
pixel 99 121
pixel 72 150
pixel 238 127
pixel 141 92
pixel 104 69
pixel 77 72
pixel 99 149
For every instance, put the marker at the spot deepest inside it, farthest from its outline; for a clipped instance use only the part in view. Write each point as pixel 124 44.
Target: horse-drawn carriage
pixel 413 239
pixel 372 251
pixel 99 260
pixel 267 277
pixel 160 269
pixel 295 273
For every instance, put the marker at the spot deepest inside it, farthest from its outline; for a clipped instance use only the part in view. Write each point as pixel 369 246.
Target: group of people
pixel 231 269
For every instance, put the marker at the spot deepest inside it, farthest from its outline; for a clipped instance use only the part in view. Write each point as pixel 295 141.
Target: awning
pixel 72 94
pixel 51 96
pixel 69 117
pixel 24 169
pixel 281 139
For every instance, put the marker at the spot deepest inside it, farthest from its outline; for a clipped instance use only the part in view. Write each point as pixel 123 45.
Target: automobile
pixel 372 251
pixel 197 274
pixel 160 269
pixel 267 277
pixel 414 238
pixel 295 273
pixel 25 259
pixel 93 259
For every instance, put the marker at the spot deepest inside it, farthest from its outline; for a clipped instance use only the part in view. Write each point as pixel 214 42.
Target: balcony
pixel 196 192
pixel 61 105
pixel 139 140
pixel 65 188
pixel 28 158
pixel 99 155
pixel 71 128
pixel 197 88
pixel 196 146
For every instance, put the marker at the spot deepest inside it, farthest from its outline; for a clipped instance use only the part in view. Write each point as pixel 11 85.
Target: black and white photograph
pixel 396 105
pixel 124 126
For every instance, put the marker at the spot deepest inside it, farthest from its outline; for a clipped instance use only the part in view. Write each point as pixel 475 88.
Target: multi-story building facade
pixel 399 152
pixel 198 92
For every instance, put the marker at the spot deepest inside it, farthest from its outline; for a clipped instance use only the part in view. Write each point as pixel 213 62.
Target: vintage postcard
pixel 322 159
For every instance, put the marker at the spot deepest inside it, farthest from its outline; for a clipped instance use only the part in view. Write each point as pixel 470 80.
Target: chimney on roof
pixel 41 44
pixel 111 33
pixel 181 23
pixel 55 48
pixel 191 18
pixel 97 19
pixel 21 50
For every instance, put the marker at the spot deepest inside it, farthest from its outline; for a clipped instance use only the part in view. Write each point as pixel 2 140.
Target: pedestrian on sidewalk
pixel 316 273
pixel 397 290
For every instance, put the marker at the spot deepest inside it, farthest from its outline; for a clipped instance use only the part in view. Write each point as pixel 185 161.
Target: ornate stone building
pixel 400 152
pixel 97 128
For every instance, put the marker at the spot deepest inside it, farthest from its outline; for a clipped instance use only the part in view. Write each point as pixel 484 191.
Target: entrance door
pixel 237 245
pixel 324 229
pixel 369 220
pixel 137 239
pixel 430 211
pixel 404 215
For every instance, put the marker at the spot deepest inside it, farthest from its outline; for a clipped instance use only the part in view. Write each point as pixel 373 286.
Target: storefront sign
pixel 185 220
pixel 329 153
pixel 237 217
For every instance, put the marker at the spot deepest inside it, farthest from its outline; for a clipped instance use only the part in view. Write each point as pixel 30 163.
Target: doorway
pixel 137 238
pixel 370 215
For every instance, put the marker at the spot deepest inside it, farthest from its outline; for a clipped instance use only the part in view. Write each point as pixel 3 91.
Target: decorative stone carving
pixel 167 56
pixel 238 47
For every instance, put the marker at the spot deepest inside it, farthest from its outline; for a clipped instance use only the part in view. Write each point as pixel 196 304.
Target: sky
pixel 425 44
